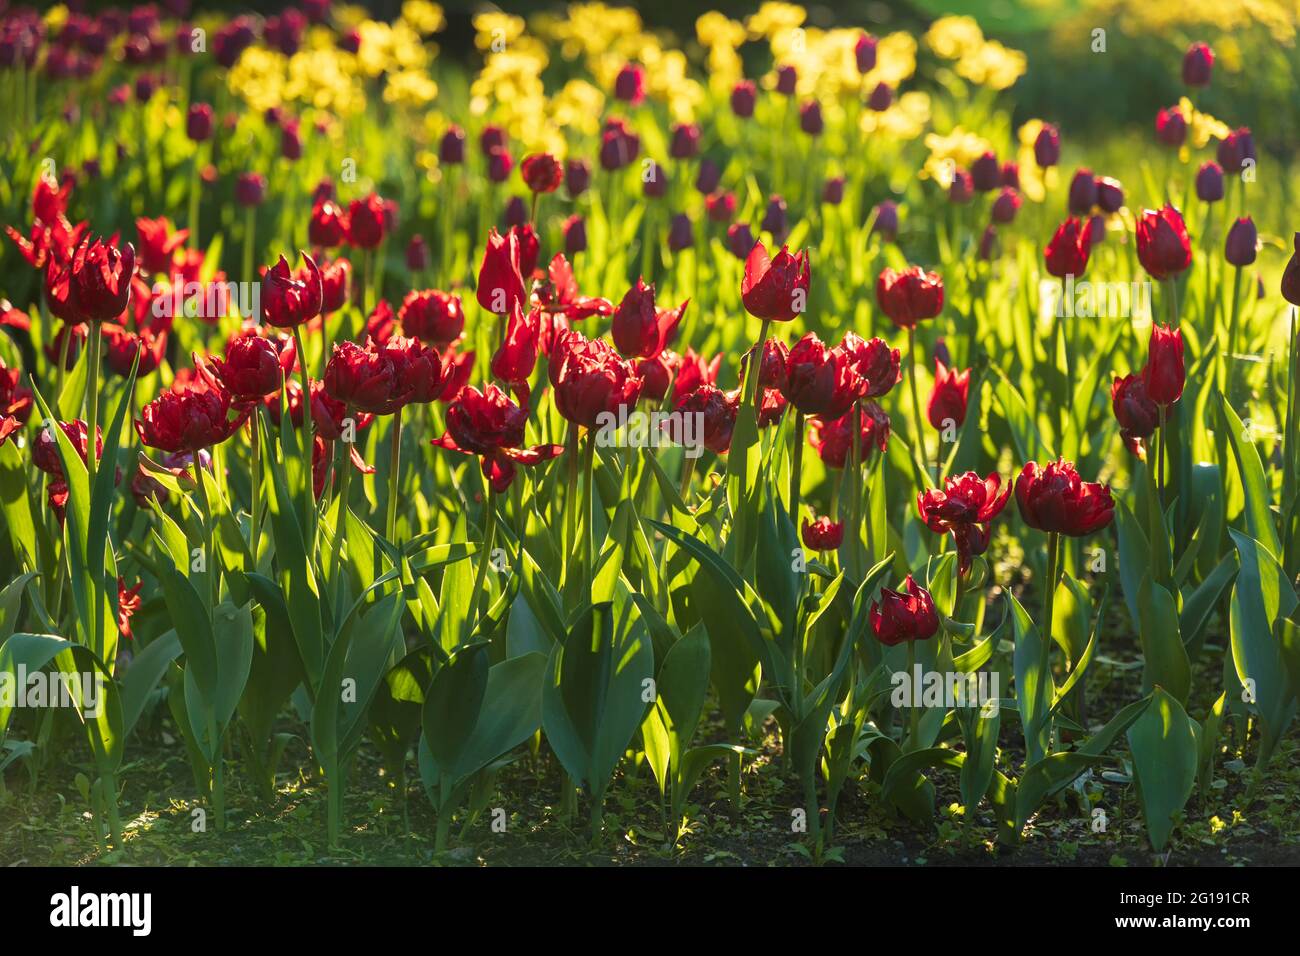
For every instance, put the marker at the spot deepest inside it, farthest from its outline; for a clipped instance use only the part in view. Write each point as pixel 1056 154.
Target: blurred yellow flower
pixel 957 149
pixel 954 37
pixel 578 106
pixel 423 16
pixel 410 88
pixel 904 120
pixel 494 32
pixel 992 65
pixel 774 19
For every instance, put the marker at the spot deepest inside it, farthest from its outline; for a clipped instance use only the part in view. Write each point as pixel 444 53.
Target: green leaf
pixel 1165 751
pixel 1164 658
pixel 1258 512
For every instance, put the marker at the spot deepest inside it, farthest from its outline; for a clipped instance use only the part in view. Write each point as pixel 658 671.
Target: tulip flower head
pixel 1055 499
pixel 775 289
pixel 289 301
pixel 1164 373
pixel 488 424
pixel 822 534
pixel 910 296
pixel 1067 253
pixel 964 507
pixel 905 615
pixel 947 405
pixel 1163 246
pixel 1137 414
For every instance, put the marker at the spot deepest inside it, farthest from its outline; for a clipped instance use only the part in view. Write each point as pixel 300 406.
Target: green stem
pixel 92 400
pixel 914 711
pixel 916 395
pixel 1049 592
pixel 340 531
pixel 1160 459
pixel 480 575
pixel 255 513
pixel 589 491
pixel 394 463
pixel 1230 357
pixel 250 227
pixel 308 425
pixel 796 468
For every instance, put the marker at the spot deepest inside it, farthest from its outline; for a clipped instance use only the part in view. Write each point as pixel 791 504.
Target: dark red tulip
pixel 948 400
pixel 1047 146
pixel 694 372
pixel 886 216
pixel 874 364
pixel 810 118
pixel 541 172
pixel 881 97
pixel 654 182
pixel 743 97
pixel 1110 194
pixel 962 188
pixel 492 137
pixel 833 190
pixel 822 534
pixel 418 371
pixel 577 176
pixel 685 141
pixel 252 369
pixel 964 508
pixel 1171 127
pixel 833 438
pixel 772 371
pixel 451 150
pixel 910 296
pixel 629 85
pixel 639 329
pixel 575 235
pixel 716 411
pixel 362 377
pixel 1067 253
pixel 1083 192
pixel 190 419
pixel 1164 373
pixel 559 294
pixel 499 164
pixel 589 378
pixel 985 173
pixel 1239 249
pixel 529 248
pixel 488 424
pixel 1006 205
pixel 500 282
pixel 720 207
pixel 819 380
pixel 198 122
pixel 15 400
pixel 159 239
pixel 1137 414
pixel 1163 246
pixel 776 220
pixel 1291 275
pixel 864 53
pixel 657 374
pixel 787 79
pixel 1209 182
pixel 250 189
pixel 516 357
pixel 681 233
pixel 619 144
pixel 906 615
pixel 740 240
pixel 121 346
pixel 288 301
pixel 45 452
pixel 335 280
pixel 433 317
pixel 99 280
pixel 1197 65
pixel 1055 499
pixel 417 254
pixel 367 221
pixel 1011 175
pixel 1235 149
pixel 707 177
pixel 328 226
pixel 776 289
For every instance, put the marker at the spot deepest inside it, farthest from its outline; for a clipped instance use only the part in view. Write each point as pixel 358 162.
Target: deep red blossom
pixel 822 534
pixel 964 508
pixel 833 438
pixel 99 280
pixel 1137 414
pixel 640 329
pixel 775 289
pixel 253 368
pixel 488 424
pixel 328 226
pixel 367 221
pixel 875 366
pixel 516 357
pixel 818 378
pixel 432 316
pixel 159 240
pixel 500 282
pixel 1055 499
pixel 948 400
pixel 590 379
pixel 288 301
pixel 121 346
pixel 128 602
pixel 185 421
pixel 906 615
pixel 362 377
pixel 541 172
pixel 716 417
pixel 558 294
pixel 1163 246
pixel 694 372
pixel 1067 253
pixel 1164 373
pixel 910 296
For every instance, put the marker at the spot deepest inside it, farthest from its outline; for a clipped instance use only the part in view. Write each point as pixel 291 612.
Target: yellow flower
pixel 959 148
pixel 578 106
pixel 904 120
pixel 496 31
pixel 1034 181
pixel 774 19
pixel 423 16
pixel 714 30
pixel 1202 127
pixel 410 88
pixel 954 37
pixel 992 65
pixel 56 17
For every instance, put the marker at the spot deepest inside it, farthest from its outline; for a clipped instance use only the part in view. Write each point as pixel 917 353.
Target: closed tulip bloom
pixel 417 254
pixel 45 452
pixel 881 97
pixel 1291 275
pixel 1197 65
pixel 720 207
pixel 434 317
pixel 832 438
pixel 629 85
pixel 250 189
pixel 775 289
pixel 252 369
pixel 288 301
pixel 708 177
pixel 654 184
pixel 822 534
pixel 819 380
pixel 1136 413
pixel 910 296
pixel 685 141
pixel 542 172
pixel 1047 146
pixel 361 377
pixel 886 224
pixel 1164 373
pixel 962 187
pixel 367 222
pixel 906 615
pixel 159 240
pixel 530 248
pixel 492 137
pixel 516 212
pixel 864 53
pixel 188 420
pixel 985 173
pixel 499 164
pixel 640 330
pixel 500 282
pixel 1067 253
pixel 772 371
pixel 810 118
pixel 1006 205
pixel 1234 149
pixel 1083 192
pixel 335 282
pixel 787 79
pixel 198 122
pixel 1239 249
pixel 619 144
pixel 451 150
pixel 575 235
pixel 1171 127
pixel 1055 499
pixel 743 96
pixel 681 234
pixel 1011 175
pixel 577 177
pixel 516 357
pixel 328 226
pixel 874 364
pixel 291 140
pixel 1163 246
pixel 1209 182
pixel 775 219
pixel 988 246
pixel 948 400
pixel 833 190
pixel 1110 194
pixel 99 280
pixel 657 374
pixel 740 240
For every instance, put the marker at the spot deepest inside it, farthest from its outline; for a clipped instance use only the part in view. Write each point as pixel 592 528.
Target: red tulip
pixel 457 371
pixel 362 377
pixel 190 419
pixel 818 379
pixel 1171 127
pixel 158 241
pixel 906 615
pixel 45 453
pixel 909 296
pixel 589 379
pixel 559 294
pixel 15 400
pixel 1164 374
pixel 833 438
pixel 1055 499
pixel 822 534
pixel 1136 413
pixel 1291 275
pixel 490 425
pixel 252 369
pixel 123 345
pixel 1047 146
pixel 99 280
pixel 694 372
pixel 517 355
pixel 1163 246
pixel 1239 249
pixel 434 317
pixel 288 301
pixel 772 372
pixel 335 278
pixel 418 371
pixel 948 400
pixel 964 507
pixel 367 221
pixel 541 172
pixel 1067 253
pixel 619 144
pixel 50 201
pixel 775 289
pixel 128 602
pixel 328 226
pixel 1197 64
pixel 716 411
pixel 629 85
pixel 500 282
pixel 657 374
pixel 641 330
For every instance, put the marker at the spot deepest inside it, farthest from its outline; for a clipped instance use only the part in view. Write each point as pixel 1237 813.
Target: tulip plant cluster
pixel 383 509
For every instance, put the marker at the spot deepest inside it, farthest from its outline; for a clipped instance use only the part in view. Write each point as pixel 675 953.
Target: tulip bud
pixel 833 190
pixel 654 185
pixel 1291 275
pixel 1171 127
pixel 810 118
pixel 250 189
pixel 743 97
pixel 685 142
pixel 709 176
pixel 541 172
pixel 1239 249
pixel 516 213
pixel 886 225
pixel 775 220
pixel 988 244
pixel 1011 175
pixel 864 52
pixel 740 240
pixel 985 174
pixel 577 177
pixel 1197 64
pixel 962 188
pixel 1163 246
pixel 822 534
pixel 492 137
pixel 575 235
pixel 619 144
pixel 1164 373
pixel 787 79
pixel 901 616
pixel 1209 182
pixel 680 233
pixel 948 400
pixel 1110 194
pixel 1006 205
pixel 721 207
pixel 198 122
pixel 451 151
pixel 881 97
pixel 499 164
pixel 1067 253
pixel 417 254
pixel 910 296
pixel 629 85
pixel 1083 192
pixel 1047 146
